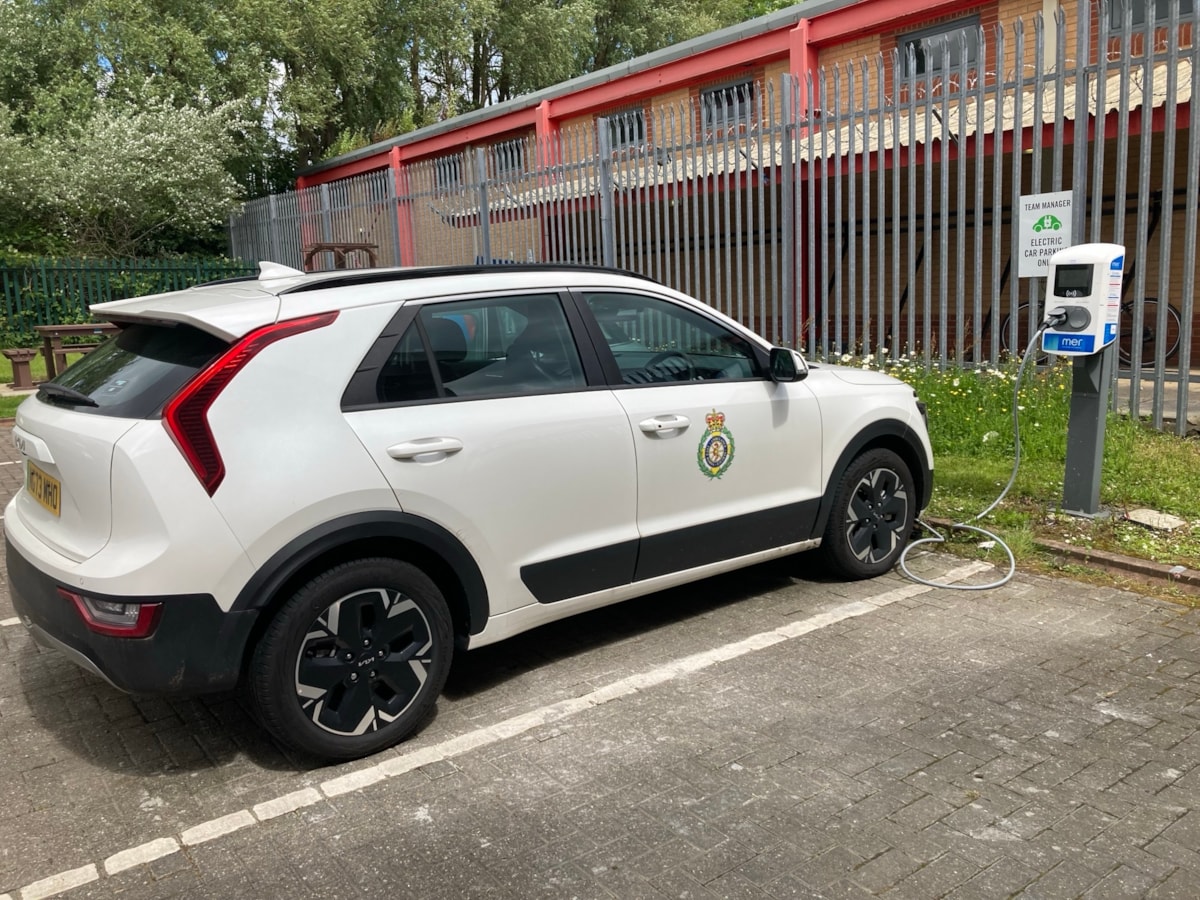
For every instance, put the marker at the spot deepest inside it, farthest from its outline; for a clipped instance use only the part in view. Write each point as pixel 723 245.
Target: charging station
pixel 1083 305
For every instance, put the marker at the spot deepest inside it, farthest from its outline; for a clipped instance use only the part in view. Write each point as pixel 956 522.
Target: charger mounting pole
pixel 1091 377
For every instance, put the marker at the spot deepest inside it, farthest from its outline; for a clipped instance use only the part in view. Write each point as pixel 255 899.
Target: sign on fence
pixel 1045 228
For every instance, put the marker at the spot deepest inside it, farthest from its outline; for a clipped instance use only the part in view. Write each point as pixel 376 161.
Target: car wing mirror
pixel 787 365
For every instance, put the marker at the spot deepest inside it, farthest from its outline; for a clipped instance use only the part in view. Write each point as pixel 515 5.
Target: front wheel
pixel 354 661
pixel 872 516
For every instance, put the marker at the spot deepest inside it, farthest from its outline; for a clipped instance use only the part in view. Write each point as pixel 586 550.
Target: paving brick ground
pixel 1038 741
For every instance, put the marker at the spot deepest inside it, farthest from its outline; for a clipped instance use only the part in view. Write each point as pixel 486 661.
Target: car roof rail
pixel 375 276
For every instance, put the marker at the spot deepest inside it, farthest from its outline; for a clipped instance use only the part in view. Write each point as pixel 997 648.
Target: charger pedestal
pixel 1090 380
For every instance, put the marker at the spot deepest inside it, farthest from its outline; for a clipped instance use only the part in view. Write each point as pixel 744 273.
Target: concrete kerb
pixel 1181 577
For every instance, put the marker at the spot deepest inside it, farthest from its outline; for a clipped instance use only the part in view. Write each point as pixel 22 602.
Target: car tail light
pixel 114 618
pixel 186 414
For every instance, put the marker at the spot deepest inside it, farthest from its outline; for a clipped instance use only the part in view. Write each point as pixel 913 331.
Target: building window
pixel 627 129
pixel 1162 10
pixel 730 104
pixel 943 49
pixel 447 172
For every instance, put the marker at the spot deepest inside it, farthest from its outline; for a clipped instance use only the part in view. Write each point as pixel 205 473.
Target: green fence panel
pixel 57 291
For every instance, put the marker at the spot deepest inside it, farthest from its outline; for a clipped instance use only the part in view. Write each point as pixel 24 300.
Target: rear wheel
pixel 872 516
pixel 354 661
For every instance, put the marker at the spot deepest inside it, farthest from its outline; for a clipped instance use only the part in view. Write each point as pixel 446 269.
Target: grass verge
pixel 971 429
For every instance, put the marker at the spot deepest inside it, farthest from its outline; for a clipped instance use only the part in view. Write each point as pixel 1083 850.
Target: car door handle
pixel 424 447
pixel 659 424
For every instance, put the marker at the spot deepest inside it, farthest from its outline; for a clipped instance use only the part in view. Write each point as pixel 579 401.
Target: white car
pixel 319 486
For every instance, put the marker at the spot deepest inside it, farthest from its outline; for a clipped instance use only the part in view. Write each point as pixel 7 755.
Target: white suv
pixel 318 486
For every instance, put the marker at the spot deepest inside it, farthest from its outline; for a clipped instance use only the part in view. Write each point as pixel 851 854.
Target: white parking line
pixel 11 462
pixel 136 856
pixel 285 804
pixel 57 884
pixel 215 828
pixel 360 779
pixel 6 623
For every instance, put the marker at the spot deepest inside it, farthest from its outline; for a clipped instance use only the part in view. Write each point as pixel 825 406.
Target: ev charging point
pixel 1083 303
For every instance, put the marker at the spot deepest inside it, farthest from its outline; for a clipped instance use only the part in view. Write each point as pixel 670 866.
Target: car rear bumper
pixel 195 648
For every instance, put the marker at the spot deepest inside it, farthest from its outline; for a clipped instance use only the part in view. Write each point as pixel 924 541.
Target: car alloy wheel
pixel 363 661
pixel 355 660
pixel 871 517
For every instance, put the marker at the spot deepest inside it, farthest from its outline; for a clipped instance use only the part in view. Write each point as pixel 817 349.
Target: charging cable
pixel 1053 317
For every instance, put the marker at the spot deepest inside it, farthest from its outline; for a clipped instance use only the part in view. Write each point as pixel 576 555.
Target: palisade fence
pixel 60 291
pixel 868 210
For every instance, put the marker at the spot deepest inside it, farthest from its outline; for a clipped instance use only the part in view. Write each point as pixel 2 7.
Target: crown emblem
pixel 715 452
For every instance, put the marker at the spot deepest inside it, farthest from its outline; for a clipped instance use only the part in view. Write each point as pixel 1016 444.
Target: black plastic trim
pixel 699 545
pixel 361 392
pixel 232 279
pixel 305 548
pixel 196 647
pixel 581 573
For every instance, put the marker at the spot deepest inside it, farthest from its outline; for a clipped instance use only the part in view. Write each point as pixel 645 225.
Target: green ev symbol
pixel 1047 223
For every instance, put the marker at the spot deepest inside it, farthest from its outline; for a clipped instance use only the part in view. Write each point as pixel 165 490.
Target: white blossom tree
pixel 132 180
pixel 125 182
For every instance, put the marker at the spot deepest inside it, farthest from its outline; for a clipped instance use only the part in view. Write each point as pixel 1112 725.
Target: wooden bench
pixel 55 352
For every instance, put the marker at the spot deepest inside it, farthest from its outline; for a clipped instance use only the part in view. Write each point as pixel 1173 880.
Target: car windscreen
pixel 134 373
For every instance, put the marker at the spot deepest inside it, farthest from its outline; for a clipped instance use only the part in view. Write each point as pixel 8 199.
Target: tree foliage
pixel 126 182
pixel 85 81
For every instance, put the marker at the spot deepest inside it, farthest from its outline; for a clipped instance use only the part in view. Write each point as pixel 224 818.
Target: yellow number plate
pixel 45 489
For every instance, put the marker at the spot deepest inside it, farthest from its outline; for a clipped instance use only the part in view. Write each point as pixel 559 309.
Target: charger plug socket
pixel 1055 316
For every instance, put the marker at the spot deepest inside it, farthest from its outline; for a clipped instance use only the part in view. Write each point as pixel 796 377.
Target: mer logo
pixel 1068 343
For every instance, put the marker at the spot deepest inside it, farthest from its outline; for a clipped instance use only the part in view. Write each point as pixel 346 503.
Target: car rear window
pixel 134 373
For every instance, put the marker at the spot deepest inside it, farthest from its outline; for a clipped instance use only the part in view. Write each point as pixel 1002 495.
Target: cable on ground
pixel 939 538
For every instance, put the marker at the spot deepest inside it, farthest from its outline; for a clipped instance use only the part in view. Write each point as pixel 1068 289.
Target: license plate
pixel 45 489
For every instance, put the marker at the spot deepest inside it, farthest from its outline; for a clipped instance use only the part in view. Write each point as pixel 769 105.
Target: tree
pixel 127 182
pixel 467 54
pixel 307 78
pixel 27 217
pixel 139 181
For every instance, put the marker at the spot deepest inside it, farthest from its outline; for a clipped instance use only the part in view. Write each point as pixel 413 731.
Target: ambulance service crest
pixel 715 453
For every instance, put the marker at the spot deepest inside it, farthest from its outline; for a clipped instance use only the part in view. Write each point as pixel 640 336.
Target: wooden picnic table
pixel 53 349
pixel 340 250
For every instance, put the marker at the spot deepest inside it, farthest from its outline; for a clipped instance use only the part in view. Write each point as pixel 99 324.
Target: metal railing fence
pixel 869 209
pixel 47 291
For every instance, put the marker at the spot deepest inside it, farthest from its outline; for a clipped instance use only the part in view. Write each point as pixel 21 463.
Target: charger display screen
pixel 1073 280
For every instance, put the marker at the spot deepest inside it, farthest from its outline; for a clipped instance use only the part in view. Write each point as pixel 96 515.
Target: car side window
pixel 656 341
pixel 478 348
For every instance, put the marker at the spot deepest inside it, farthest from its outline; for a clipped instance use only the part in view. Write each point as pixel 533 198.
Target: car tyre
pixel 872 516
pixel 354 661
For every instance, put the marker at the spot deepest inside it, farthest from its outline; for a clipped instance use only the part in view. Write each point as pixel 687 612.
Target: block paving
pixel 1035 741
